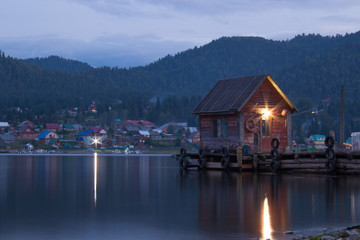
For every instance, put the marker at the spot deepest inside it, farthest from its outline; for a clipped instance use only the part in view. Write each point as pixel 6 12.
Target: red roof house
pixel 52 127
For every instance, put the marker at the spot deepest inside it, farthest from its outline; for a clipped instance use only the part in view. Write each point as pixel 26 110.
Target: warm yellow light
pixel 266 232
pixel 266 113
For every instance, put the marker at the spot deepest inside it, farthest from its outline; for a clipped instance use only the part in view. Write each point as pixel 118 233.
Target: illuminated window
pixel 220 128
pixel 265 128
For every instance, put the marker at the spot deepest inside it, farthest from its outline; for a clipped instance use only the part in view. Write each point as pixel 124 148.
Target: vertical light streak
pixel 95 176
pixel 266 231
pixel 352 207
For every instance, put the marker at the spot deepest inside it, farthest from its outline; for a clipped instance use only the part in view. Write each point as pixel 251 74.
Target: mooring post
pixel 239 155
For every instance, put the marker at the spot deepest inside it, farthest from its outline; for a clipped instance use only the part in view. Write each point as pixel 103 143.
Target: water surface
pixel 148 197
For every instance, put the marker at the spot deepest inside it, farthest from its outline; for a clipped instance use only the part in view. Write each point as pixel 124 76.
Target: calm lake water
pixel 148 197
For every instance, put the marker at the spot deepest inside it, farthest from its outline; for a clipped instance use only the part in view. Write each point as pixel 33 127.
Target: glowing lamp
pixel 266 113
pixel 284 112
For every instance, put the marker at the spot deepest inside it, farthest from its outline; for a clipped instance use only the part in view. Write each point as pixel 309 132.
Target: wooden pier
pixel 315 162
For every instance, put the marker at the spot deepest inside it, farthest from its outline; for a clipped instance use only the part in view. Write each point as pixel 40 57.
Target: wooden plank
pixel 247 166
pixel 303 160
pixel 302 166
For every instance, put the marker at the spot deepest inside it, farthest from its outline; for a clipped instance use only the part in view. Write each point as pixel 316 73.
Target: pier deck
pixel 316 162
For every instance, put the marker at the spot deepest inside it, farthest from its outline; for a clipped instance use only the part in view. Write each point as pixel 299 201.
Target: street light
pixel 96 141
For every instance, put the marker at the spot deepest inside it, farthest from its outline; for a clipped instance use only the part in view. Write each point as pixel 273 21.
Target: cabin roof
pixel 230 95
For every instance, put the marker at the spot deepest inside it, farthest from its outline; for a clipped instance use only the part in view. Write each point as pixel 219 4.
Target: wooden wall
pixel 207 132
pixel 266 96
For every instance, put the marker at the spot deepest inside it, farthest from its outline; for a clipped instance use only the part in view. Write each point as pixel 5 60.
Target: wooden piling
pixel 239 156
pixel 255 161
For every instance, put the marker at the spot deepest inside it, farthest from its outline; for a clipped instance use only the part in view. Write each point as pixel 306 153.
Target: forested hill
pixel 321 63
pixel 307 66
pixel 59 63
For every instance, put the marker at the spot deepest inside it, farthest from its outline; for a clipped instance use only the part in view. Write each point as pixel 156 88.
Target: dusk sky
pixel 127 33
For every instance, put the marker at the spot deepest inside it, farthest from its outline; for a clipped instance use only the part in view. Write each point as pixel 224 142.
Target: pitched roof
pixel 52 126
pixel 44 134
pixel 318 137
pixel 4 124
pixel 230 95
pixel 24 127
pixel 142 122
pixel 145 133
pixel 86 133
pixel 96 129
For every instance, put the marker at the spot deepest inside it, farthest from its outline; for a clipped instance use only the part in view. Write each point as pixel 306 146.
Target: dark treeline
pixel 309 67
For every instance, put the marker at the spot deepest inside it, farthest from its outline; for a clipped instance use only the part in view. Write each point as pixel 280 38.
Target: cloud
pixel 118 50
pixel 111 31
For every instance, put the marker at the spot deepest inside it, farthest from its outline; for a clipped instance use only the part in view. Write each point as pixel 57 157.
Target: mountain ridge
pixel 307 66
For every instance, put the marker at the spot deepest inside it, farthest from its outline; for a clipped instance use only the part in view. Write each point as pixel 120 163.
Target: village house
pixel 133 126
pixel 52 127
pixel 139 140
pixel 246 110
pixel 67 127
pixel 8 139
pixel 194 138
pixel 26 123
pixel 27 132
pixel 145 134
pixel 48 137
pixel 355 141
pixel 89 138
pixel 317 141
pixel 99 132
pixel 155 134
pixel 3 126
pixel 172 127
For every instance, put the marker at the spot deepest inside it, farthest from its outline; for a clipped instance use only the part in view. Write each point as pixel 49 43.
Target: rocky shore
pixel 350 233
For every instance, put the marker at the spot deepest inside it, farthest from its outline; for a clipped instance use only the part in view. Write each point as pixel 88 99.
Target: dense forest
pixel 308 68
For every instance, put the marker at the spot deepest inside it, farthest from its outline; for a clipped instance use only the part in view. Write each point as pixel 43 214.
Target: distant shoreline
pixel 85 154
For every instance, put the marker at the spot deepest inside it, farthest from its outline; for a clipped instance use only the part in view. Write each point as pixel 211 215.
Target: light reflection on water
pixel 266 231
pixel 91 197
pixel 95 176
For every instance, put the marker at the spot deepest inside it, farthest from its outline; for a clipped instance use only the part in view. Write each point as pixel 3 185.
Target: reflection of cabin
pixel 248 110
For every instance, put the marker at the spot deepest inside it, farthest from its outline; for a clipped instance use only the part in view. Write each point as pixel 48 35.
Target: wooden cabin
pixel 246 110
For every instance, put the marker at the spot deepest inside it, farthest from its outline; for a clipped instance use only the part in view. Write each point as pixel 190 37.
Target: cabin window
pixel 220 128
pixel 265 128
